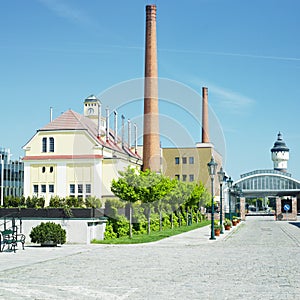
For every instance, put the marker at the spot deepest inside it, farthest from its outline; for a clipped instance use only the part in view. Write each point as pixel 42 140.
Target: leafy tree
pixel 126 188
pixel 198 197
pixel 152 188
pixel 179 195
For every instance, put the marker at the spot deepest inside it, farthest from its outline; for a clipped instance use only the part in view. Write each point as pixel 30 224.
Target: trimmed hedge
pixel 48 232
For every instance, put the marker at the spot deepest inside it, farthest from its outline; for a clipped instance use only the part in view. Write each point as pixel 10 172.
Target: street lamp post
pixel 212 166
pixel 221 175
pixel 229 183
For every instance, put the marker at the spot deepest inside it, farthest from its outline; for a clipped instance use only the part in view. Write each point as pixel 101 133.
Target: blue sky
pixel 58 52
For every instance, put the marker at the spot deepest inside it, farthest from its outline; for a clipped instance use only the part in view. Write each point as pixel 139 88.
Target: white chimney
pixel 129 134
pixel 99 119
pixel 123 129
pixel 116 126
pixel 51 113
pixel 135 138
pixel 107 124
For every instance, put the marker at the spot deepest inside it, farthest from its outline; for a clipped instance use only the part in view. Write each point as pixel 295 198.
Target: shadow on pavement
pixel 297 224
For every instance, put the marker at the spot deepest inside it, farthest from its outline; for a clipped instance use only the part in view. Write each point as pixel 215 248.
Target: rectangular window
pixel 177 176
pixel 184 160
pixel 88 188
pixel 191 160
pixel 51 188
pixel 43 188
pixel 184 177
pixel 80 188
pixel 191 177
pixel 35 188
pixel 51 144
pixel 176 160
pixel 44 144
pixel 72 188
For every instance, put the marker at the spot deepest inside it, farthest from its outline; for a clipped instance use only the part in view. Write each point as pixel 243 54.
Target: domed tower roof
pixel 280 145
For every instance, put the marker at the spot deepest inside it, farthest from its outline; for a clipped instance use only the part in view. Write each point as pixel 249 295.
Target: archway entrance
pixel 269 192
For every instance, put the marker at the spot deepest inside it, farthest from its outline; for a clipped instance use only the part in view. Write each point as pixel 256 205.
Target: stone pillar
pixel 293 215
pixel 278 214
pixel 242 208
pixel 151 144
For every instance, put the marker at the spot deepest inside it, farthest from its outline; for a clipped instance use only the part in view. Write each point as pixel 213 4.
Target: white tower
pixel 280 154
pixel 92 107
pixel 92 110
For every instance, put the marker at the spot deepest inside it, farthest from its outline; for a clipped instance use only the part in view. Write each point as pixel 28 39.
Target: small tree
pixel 198 196
pixel 125 187
pixel 152 188
pixel 177 197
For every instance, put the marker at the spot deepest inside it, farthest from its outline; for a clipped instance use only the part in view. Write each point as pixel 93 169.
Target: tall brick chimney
pixel 205 128
pixel 151 144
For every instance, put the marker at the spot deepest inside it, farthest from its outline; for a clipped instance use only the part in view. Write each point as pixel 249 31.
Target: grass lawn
pixel 153 236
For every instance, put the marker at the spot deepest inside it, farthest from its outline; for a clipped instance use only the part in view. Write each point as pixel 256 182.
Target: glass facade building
pixel 11 175
pixel 271 181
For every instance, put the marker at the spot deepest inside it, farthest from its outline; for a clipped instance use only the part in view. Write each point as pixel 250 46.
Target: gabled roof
pixel 71 120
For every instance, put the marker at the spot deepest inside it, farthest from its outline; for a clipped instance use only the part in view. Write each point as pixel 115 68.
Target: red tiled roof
pixel 71 120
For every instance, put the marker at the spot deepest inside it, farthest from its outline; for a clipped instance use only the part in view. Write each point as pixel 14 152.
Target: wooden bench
pixel 10 238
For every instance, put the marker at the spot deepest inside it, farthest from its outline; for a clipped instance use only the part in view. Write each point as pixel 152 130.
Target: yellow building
pixel 190 164
pixel 76 155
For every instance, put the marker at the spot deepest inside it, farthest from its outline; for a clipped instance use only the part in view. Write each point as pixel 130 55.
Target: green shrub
pixel 57 202
pixel 122 226
pixel 183 220
pixel 112 206
pixel 93 202
pixel 109 231
pixel 10 201
pixel 74 202
pixel 154 223
pixel 175 220
pixel 166 223
pixel 35 202
pixel 46 232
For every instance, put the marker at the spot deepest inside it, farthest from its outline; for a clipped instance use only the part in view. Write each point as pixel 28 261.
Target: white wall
pixel 78 231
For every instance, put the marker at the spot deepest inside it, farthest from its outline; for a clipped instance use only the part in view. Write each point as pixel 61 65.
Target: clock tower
pixel 92 110
pixel 92 107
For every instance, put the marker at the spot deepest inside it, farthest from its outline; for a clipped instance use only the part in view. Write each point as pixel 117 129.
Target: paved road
pixel 258 260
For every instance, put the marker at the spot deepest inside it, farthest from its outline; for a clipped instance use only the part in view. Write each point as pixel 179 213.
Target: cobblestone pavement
pixel 258 260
